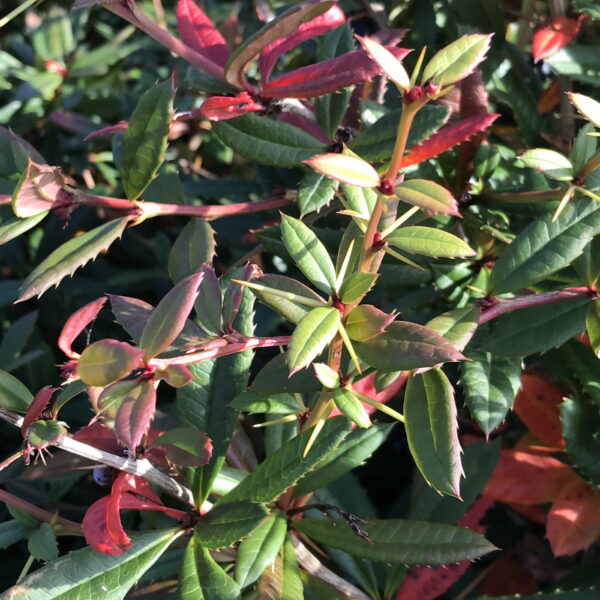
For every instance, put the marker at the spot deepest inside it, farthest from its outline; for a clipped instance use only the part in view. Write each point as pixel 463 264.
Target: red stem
pixel 5 198
pixel 507 305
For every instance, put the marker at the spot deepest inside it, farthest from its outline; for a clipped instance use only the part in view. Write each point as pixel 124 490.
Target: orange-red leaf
pixel 447 137
pixel 537 405
pixel 574 520
pixel 556 34
pixel 525 478
pixel 347 169
pixel 221 108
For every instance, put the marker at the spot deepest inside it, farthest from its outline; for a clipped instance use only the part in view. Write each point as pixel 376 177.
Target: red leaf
pixel 525 478
pixel 317 26
pixel 538 406
pixel 221 108
pixel 303 123
pixel 76 323
pixel 37 406
pixel 327 76
pixel 574 520
pixel 556 34
pixel 507 577
pixel 108 130
pixel 39 189
pixel 98 435
pixel 447 137
pixel 135 414
pixel 200 33
pixel 95 528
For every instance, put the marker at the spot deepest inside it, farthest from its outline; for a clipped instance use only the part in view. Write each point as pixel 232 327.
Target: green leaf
pixel 290 309
pixel 186 446
pixel 42 543
pixel 326 375
pixel 14 154
pixel 13 228
pixel 106 361
pixel 146 138
pixel 457 325
pixel 44 433
pixel 534 329
pixel 584 147
pixel 351 407
pixel 430 196
pixel 12 532
pixel 275 377
pixel 405 346
pixel 356 285
pixel 366 321
pixel 587 107
pixel 431 429
pixel 273 404
pixel 315 192
pixel 259 550
pixel 201 578
pixel 268 142
pixel 308 253
pixel 285 466
pixel 399 542
pixel 456 60
pixel 578 62
pixel 549 162
pixel 209 302
pixel 592 322
pixel 13 394
pixel 85 573
pixel 66 259
pixel 376 142
pixel 169 317
pixel 429 242
pixel 227 523
pixel 490 384
pixel 311 336
pixel 545 247
pixel 194 246
pixel 352 452
pixel 580 420
pixel 360 200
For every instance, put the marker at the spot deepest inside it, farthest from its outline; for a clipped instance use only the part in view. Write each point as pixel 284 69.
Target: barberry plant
pixel 402 274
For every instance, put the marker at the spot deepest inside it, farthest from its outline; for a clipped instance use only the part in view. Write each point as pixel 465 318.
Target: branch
pixel 501 306
pixel 314 567
pixel 142 468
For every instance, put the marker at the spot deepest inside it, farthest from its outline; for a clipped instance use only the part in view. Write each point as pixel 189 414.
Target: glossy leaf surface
pixel 429 242
pixel 428 195
pixel 13 394
pixel 106 361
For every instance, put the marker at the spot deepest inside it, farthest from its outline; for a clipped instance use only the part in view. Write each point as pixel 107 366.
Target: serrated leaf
pixel 13 394
pixel 287 464
pixel 490 385
pixel 586 106
pixel 227 523
pixel 82 573
pixel 312 334
pixel 106 361
pixel 146 138
pixel 66 259
pixel 361 200
pixel 42 543
pixel 268 142
pixel 430 196
pixel 366 321
pixel 392 68
pixel 134 415
pixel 457 325
pixel 169 317
pixel 258 551
pixel 399 542
pixel 315 192
pixel 551 163
pixel 546 246
pixel 592 322
pixel 308 253
pixel 209 302
pixel 185 446
pixel 457 60
pixel 428 241
pixel 273 404
pixel 13 228
pixel 201 578
pixel 405 346
pixel 346 169
pixel 351 407
pixel 432 430
pixel 194 246
pixel 77 322
pixel 15 154
pixel 356 285
pixel 278 28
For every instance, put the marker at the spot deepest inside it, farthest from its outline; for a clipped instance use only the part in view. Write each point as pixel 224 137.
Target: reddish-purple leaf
pixel 447 137
pixel 39 188
pixel 170 316
pixel 200 33
pixel 554 35
pixel 135 414
pixel 221 108
pixel 98 435
pixel 95 529
pixel 327 76
pixel 108 130
pixel 331 19
pixel 37 406
pixel 175 375
pixel 367 321
pixel 76 323
pixel 232 298
pixel 304 123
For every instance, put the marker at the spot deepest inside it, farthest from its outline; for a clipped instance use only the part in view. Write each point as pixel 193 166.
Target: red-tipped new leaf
pixel 135 414
pixel 387 62
pixel 556 34
pixel 347 169
pixel 37 406
pixel 76 323
pixel 366 321
pixel 38 190
pixel 200 33
pixel 431 197
pixel 327 76
pixel 447 137
pixel 331 19
pixel 221 108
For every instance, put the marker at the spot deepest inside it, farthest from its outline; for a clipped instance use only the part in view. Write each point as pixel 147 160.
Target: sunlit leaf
pixel 366 321
pixel 586 106
pixel 351 407
pixel 135 414
pixel 77 322
pixel 347 169
pixel 430 196
pixel 549 162
pixel 429 242
pixel 106 361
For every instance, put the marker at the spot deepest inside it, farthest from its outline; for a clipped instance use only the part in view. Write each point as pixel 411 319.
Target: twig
pixel 314 567
pixel 142 467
